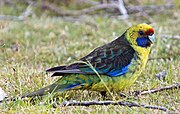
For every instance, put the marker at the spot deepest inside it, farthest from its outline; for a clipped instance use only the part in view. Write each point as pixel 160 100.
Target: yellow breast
pixel 119 83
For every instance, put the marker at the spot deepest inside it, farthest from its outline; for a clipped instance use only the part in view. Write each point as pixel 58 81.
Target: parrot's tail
pixel 48 89
pixel 51 89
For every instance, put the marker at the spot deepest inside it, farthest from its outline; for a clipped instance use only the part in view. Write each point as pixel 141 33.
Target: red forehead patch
pixel 150 31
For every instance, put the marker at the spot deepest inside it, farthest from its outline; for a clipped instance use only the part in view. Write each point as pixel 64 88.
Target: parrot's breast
pixel 121 82
pixel 124 81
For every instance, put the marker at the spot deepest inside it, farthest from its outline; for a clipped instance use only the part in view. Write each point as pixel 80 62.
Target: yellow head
pixel 140 35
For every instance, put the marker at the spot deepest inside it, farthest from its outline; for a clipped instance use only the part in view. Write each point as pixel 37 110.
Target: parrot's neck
pixel 141 60
pixel 142 55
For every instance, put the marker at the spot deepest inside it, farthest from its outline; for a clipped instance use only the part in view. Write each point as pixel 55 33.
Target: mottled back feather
pixel 111 59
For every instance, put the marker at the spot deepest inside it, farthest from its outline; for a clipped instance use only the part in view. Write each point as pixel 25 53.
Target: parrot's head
pixel 141 35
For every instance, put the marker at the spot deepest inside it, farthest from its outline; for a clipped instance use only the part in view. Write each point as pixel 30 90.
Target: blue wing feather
pixel 118 72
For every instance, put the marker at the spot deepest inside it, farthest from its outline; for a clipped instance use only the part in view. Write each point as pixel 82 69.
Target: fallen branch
pixel 174 86
pixel 118 6
pixel 88 103
pixel 62 12
pixel 9 17
pixel 130 9
pixel 21 17
pixel 133 9
pixel 122 9
pixel 122 103
pixel 90 2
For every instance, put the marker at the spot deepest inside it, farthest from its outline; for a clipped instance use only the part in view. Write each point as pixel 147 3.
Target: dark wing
pixel 111 59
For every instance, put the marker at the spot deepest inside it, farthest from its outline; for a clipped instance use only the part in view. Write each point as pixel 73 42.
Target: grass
pixel 29 47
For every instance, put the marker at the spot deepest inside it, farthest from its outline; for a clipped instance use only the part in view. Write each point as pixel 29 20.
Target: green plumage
pixel 119 63
pixel 83 82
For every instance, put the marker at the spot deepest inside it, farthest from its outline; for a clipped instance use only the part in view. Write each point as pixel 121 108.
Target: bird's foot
pixel 103 94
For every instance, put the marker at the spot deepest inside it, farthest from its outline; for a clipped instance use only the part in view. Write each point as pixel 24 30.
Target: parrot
pixel 113 67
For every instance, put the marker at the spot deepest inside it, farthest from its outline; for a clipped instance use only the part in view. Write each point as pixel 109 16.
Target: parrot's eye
pixel 151 34
pixel 141 33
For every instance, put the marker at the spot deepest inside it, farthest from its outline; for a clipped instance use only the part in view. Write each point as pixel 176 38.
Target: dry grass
pixel 29 47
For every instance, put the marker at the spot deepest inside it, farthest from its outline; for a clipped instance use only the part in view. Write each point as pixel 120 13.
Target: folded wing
pixel 112 59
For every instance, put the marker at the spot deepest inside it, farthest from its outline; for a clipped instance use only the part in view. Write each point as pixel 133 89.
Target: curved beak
pixel 151 38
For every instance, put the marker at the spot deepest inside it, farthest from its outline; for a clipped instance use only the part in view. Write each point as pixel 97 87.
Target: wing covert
pixel 112 59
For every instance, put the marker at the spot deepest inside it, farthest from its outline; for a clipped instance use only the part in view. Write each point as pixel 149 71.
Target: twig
pixel 164 57
pixel 130 9
pixel 21 17
pixel 122 9
pixel 9 17
pixel 62 12
pixel 122 103
pixel 169 56
pixel 174 86
pixel 133 9
pixel 88 103
pixel 144 14
pixel 26 13
pixel 8 99
pixel 30 2
pixel 90 2
pixel 170 36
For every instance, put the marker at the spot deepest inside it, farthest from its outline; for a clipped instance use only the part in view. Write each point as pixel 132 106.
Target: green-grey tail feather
pixel 66 83
pixel 48 89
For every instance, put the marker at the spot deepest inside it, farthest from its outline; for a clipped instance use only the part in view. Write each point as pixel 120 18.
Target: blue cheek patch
pixel 142 42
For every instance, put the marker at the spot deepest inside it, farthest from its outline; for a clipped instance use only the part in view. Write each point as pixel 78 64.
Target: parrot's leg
pixel 103 94
pixel 122 95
